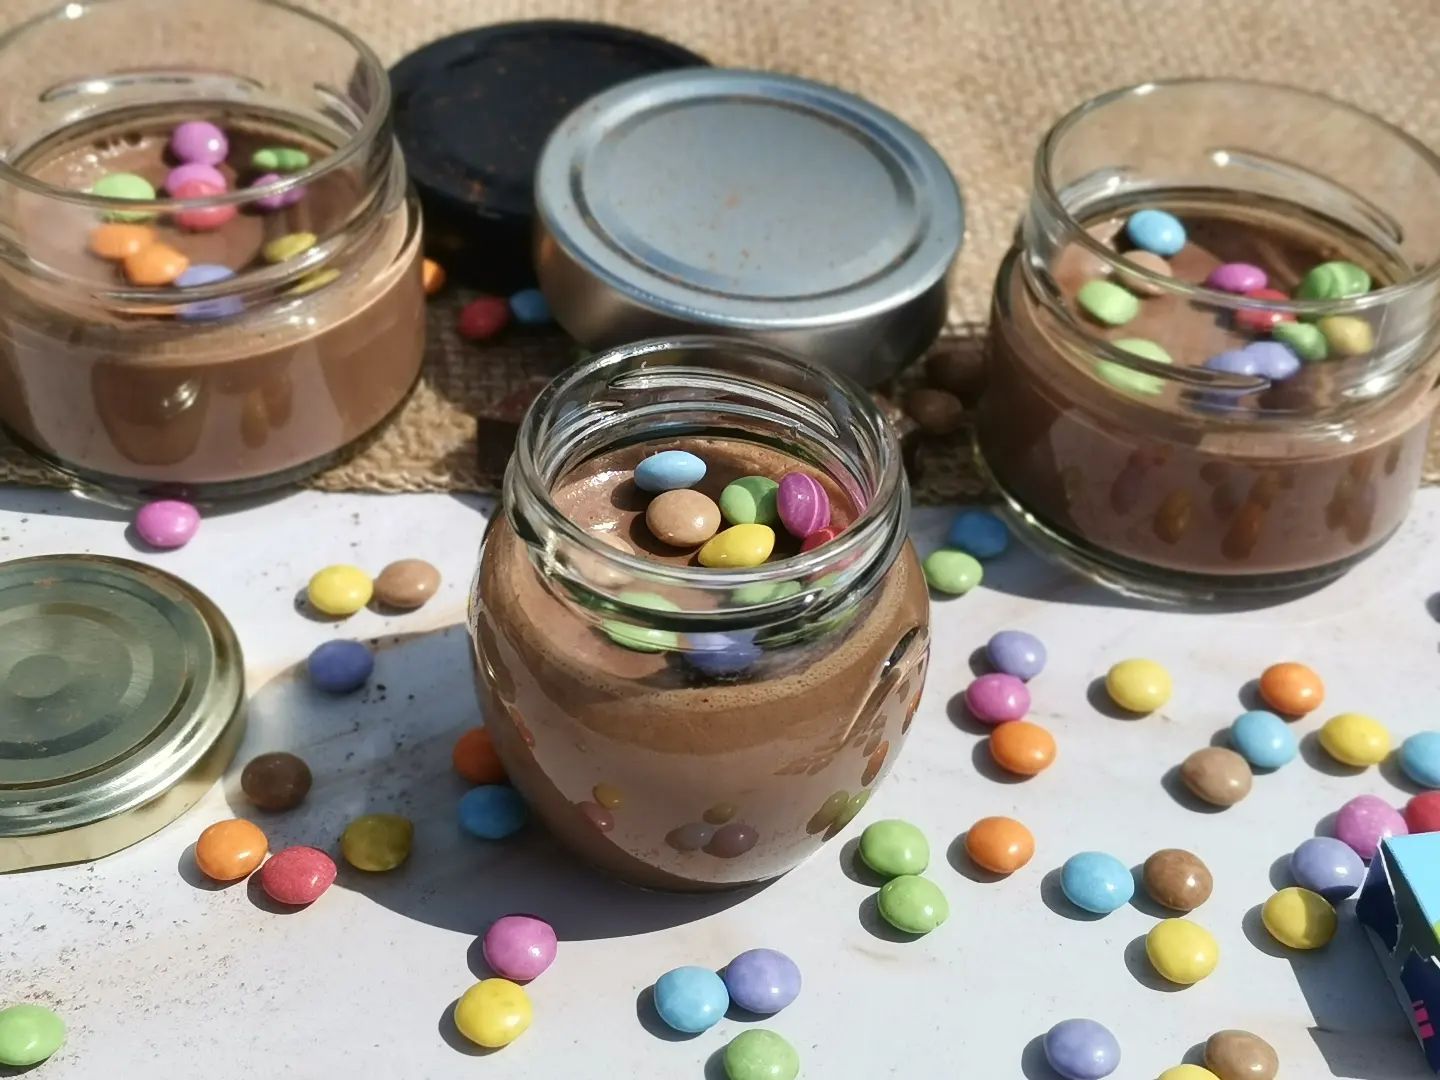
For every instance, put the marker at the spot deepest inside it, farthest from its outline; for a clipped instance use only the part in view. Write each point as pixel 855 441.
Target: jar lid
pixel 472 112
pixel 752 203
pixel 121 694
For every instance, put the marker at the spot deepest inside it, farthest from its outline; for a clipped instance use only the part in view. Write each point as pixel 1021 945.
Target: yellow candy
pixel 1139 686
pixel 288 246
pixel 1188 1072
pixel 1347 335
pixel 377 842
pixel 316 279
pixel 1299 918
pixel 738 546
pixel 339 590
pixel 493 1013
pixel 1355 739
pixel 1182 951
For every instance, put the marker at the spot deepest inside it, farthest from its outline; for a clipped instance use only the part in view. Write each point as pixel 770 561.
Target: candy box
pixel 1400 907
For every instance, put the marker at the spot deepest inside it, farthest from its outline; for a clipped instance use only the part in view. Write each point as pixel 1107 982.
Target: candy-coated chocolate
pixel 315 279
pixel 116 240
pixel 192 172
pixel 1001 845
pixel 339 590
pixel 1299 918
pixel 912 904
pixel 298 875
pixel 1334 281
pixel 1082 1049
pixel 199 141
pixel 276 781
pixel 691 999
pixel 1327 866
pixel 1014 652
pixel 482 318
pixel 732 840
pixel 1260 320
pixel 519 947
pixel 1155 230
pixel 1187 1072
pixel 669 470
pixel 339 667
pixel 530 308
pixel 1237 277
pixel 1267 359
pixel 492 811
pixel 1365 821
pixel 229 850
pixel 642 638
pixel 1096 882
pixel 377 842
pixel 1263 739
pixel 995 698
pixel 765 592
pixel 493 1013
pixel 155 265
pixel 802 504
pixel 979 533
pixel 952 572
pixel 282 159
pixel 720 654
pixel 1177 879
pixel 935 412
pixel 1022 748
pixel 1128 379
pixel 281 199
pixel 690 837
pixel 1291 688
pixel 406 584
pixel 220 307
pixel 1146 260
pixel 1181 951
pixel 894 848
pixel 738 547
pixel 751 500
pixel 202 218
pixel 818 537
pixel 1422 813
pixel 759 1054
pixel 289 246
pixel 1138 686
pixel 125 186
pixel 29 1034
pixel 762 981
pixel 474 758
pixel 1420 758
pixel 1355 739
pixel 682 518
pixel 1240 1055
pixel 432 276
pixel 1217 775
pixel 167 523
pixel 1347 335
pixel 1306 340
pixel 1107 303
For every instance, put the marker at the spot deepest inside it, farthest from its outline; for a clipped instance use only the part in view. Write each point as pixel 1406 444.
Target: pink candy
pixel 803 506
pixel 202 219
pixel 1263 321
pixel 297 875
pixel 519 947
pixel 1237 277
pixel 818 537
pixel 200 142
pixel 997 698
pixel 192 171
pixel 277 202
pixel 1366 820
pixel 167 523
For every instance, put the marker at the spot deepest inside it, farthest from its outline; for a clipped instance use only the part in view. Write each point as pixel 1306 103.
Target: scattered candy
pixel 289 246
pixel 1022 748
pixel 339 667
pixel 1365 821
pixel 154 265
pixel 315 279
pixel 1177 879
pixel 1157 231
pixel 492 812
pixel 474 758
pixel 1263 739
pixel 482 318
pixel 1355 739
pixel 721 654
pixel 285 159
pixel 996 698
pixel 1014 652
pixel 230 850
pixel 751 500
pixel 1239 1055
pixel 1266 359
pixel 912 904
pixel 952 572
pixel 432 276
pixel 116 241
pixel 195 172
pixel 1107 303
pixel 1347 335
pixel 1181 951
pixel 1305 339
pixel 759 1054
pixel 1082 1050
pixel 802 504
pixel 669 470
pixel 199 141
pixel 1334 281
pixel 221 307
pixel 762 981
pixel 339 590
pixel 1125 378
pixel 1219 776
pixel 642 638
pixel 1237 278
pixel 125 186
pixel 683 518
pixel 691 999
pixel 202 218
pixel 29 1034
pixel 1138 686
pixel 979 533
pixel 935 412
pixel 167 523
pixel 1187 1072
pixel 1420 758
pixel 1422 813
pixel 529 308
pixel 276 781
pixel 894 848
pixel 1328 867
pixel 406 584
pixel 1146 260
pixel 297 876
pixel 1001 845
pixel 1292 689
pixel 1261 320
pixel 817 538
pixel 1096 882
pixel 1299 918
pixel 280 199
pixel 739 546
pixel 493 1013
pixel 377 842
pixel 519 947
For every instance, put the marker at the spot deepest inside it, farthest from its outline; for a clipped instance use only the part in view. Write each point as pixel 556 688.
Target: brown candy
pixel 956 371
pixel 937 412
pixel 1147 260
pixel 406 584
pixel 1239 1055
pixel 1219 776
pixel 682 518
pixel 276 781
pixel 1177 880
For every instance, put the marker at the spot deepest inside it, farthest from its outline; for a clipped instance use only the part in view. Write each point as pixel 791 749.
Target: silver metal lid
pixel 749 203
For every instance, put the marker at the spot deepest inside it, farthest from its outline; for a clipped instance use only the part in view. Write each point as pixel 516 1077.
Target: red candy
pixel 483 317
pixel 818 537
pixel 1260 322
pixel 208 218
pixel 1422 813
pixel 297 875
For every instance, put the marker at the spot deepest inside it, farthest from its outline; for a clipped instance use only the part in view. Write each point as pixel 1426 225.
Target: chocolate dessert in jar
pixel 211 281
pixel 1213 348
pixel 681 712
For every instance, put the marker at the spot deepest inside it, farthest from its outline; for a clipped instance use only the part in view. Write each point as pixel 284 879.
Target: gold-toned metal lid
pixel 121 701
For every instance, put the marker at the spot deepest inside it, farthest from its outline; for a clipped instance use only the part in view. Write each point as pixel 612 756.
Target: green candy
pixel 642 638
pixel 953 572
pixel 913 904
pixel 1106 302
pixel 1124 378
pixel 1305 340
pixel 760 1054
pixel 764 592
pixel 750 501
pixel 29 1034
pixel 1334 281
pixel 123 185
pixel 282 159
pixel 894 848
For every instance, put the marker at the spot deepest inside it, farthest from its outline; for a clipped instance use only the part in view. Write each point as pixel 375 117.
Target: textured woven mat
pixel 982 80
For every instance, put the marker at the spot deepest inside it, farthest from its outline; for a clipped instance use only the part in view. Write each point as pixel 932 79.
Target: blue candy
pixel 669 470
pixel 691 999
pixel 1327 866
pixel 1420 758
pixel 492 812
pixel 1157 231
pixel 1017 653
pixel 979 533
pixel 208 274
pixel 529 307
pixel 1097 882
pixel 1268 359
pixel 722 654
pixel 1263 739
pixel 338 667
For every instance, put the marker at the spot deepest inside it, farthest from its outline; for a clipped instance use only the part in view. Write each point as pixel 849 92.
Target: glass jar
pixel 202 385
pixel 678 726
pixel 1191 473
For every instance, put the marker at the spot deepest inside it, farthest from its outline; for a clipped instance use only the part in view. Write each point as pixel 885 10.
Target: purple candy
pixel 519 947
pixel 720 653
pixel 1366 820
pixel 192 171
pixel 167 523
pixel 199 142
pixel 222 307
pixel 762 981
pixel 994 699
pixel 280 201
pixel 1082 1050
pixel 1324 865
pixel 1268 359
pixel 1014 652
pixel 1237 277
pixel 803 505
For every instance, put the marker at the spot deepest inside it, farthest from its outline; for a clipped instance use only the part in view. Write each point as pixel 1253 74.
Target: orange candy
pixel 475 759
pixel 155 264
pixel 230 850
pixel 117 241
pixel 999 844
pixel 1022 747
pixel 432 277
pixel 1292 689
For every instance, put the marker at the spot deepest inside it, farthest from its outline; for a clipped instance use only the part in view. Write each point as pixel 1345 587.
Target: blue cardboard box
pixel 1400 907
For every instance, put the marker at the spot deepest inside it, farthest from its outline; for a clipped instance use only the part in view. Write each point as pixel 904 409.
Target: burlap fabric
pixel 982 79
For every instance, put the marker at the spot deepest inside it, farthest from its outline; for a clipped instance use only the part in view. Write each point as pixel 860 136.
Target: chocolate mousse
pixel 646 764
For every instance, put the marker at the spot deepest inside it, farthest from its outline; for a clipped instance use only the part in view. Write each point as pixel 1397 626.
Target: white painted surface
pixel 161 977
